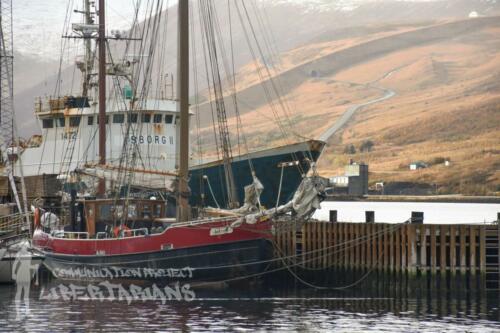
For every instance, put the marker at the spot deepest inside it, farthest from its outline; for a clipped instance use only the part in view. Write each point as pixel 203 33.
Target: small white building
pixel 418 165
pixel 339 181
pixel 473 14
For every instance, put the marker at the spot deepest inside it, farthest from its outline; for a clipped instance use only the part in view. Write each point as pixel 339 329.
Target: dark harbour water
pixel 379 304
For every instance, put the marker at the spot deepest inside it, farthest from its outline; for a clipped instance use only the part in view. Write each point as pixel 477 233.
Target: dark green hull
pixel 267 164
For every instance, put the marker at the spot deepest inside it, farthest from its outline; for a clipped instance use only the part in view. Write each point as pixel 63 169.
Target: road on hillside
pixel 346 116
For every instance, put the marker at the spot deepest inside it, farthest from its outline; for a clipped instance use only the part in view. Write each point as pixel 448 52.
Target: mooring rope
pixel 269 261
pixel 211 191
pixel 352 243
pixel 301 280
pixel 279 188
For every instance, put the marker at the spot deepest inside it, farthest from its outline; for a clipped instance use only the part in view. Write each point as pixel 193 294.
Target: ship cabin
pixel 70 125
pixel 122 218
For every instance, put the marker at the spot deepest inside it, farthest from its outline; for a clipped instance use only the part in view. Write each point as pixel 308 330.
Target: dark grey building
pixel 358 179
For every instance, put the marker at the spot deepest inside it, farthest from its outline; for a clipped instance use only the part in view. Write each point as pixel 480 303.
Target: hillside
pixel 442 67
pixel 288 23
pixel 446 106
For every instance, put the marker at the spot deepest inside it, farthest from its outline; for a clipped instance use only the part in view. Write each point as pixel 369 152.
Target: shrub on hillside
pixel 350 149
pixel 366 146
pixel 438 160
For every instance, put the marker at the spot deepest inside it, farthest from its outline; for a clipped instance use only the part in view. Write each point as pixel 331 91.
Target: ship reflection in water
pixel 425 306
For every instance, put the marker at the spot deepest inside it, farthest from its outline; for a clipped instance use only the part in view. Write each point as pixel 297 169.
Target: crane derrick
pixel 6 77
pixel 9 145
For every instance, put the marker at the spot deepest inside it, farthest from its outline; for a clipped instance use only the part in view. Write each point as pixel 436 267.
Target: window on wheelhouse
pixel 90 120
pixel 105 212
pixel 132 211
pixel 146 211
pixel 169 118
pixel 118 118
pixel 157 118
pixel 60 122
pixel 47 123
pixel 117 211
pixel 157 210
pixel 74 121
pixel 146 118
pixel 132 118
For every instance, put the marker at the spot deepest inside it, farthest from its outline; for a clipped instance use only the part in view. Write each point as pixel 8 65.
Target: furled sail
pixel 141 178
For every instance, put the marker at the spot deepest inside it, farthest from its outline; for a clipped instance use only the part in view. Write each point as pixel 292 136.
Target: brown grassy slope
pixel 248 74
pixel 448 105
pixel 360 52
pixel 313 107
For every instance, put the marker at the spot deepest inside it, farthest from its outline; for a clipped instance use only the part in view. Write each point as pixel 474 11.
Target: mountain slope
pixel 292 23
pixel 443 67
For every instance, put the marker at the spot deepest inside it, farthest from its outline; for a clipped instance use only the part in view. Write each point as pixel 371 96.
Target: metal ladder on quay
pixel 492 244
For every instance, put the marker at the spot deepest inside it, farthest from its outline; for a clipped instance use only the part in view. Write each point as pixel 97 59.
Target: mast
pixel 88 31
pixel 88 52
pixel 183 105
pixel 102 91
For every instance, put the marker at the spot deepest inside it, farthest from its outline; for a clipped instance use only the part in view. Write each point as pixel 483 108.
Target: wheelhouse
pixel 110 218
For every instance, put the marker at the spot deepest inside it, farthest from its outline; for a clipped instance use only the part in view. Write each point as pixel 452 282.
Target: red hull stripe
pixel 173 237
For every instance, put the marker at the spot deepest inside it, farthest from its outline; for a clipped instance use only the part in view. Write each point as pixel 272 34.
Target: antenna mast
pixel 6 76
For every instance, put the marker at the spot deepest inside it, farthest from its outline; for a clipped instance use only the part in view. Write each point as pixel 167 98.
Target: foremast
pixel 88 60
pixel 183 105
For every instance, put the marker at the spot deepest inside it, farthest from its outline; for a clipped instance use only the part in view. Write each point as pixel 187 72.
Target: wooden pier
pixel 410 248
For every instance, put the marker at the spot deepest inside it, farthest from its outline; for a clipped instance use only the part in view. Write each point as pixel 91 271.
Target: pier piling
pixel 409 248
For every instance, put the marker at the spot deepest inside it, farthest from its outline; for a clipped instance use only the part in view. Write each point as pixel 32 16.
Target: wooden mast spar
pixel 102 92
pixel 183 105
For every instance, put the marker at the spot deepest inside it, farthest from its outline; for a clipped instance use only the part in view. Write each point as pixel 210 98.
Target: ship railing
pixel 134 232
pixel 70 234
pixel 124 233
pixel 50 104
pixel 102 235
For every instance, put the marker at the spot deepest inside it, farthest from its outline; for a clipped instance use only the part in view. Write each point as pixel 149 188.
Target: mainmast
pixel 183 104
pixel 102 90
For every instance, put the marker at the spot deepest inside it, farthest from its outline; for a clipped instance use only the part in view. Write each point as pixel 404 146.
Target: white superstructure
pixel 70 130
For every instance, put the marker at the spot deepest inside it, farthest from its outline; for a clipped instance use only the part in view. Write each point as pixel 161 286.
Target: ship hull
pixel 293 160
pixel 233 261
pixel 196 251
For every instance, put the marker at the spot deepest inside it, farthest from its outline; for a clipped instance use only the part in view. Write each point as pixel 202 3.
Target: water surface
pixel 289 308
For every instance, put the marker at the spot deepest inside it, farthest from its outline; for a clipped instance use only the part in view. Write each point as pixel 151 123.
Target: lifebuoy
pixel 36 218
pixel 124 228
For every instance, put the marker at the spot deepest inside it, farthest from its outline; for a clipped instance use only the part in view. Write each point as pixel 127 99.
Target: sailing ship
pixel 119 235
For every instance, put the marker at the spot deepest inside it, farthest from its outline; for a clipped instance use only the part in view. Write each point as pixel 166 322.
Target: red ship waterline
pixel 149 247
